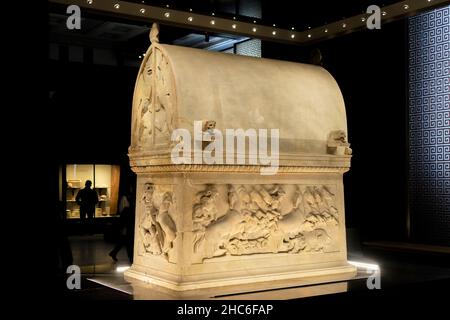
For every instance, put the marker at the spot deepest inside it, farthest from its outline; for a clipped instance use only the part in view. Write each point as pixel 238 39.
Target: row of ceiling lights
pixel 254 29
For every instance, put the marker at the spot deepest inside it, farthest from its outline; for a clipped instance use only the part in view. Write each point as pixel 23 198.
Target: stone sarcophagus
pixel 202 223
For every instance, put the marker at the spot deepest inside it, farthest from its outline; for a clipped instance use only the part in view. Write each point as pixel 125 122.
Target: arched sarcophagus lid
pixel 177 86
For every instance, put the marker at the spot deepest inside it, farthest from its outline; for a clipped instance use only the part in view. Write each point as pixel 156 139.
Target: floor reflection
pixel 102 278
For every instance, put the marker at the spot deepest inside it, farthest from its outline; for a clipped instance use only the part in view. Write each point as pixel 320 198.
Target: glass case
pixel 105 181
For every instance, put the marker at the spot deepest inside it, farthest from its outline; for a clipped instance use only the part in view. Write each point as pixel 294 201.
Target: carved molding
pixel 233 168
pixel 263 219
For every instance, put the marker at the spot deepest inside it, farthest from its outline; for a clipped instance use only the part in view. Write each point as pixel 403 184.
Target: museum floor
pixel 403 269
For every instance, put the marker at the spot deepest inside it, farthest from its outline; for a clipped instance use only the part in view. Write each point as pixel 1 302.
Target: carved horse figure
pixel 292 224
pixel 214 238
pixel 311 212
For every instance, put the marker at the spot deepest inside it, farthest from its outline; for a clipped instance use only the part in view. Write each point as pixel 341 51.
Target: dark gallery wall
pixel 371 69
pixel 92 105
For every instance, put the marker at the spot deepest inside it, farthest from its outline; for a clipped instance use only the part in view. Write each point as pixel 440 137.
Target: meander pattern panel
pixel 429 125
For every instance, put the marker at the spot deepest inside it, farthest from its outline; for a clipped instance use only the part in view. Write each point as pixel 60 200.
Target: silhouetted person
pixel 87 198
pixel 125 235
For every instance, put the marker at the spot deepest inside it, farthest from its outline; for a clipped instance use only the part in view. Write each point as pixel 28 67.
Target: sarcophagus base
pixel 197 230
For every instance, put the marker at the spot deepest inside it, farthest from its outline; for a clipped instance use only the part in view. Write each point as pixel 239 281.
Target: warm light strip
pixel 109 286
pixel 221 25
pixel 365 265
pixel 122 269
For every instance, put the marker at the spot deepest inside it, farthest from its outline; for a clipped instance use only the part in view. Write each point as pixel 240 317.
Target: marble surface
pixel 201 226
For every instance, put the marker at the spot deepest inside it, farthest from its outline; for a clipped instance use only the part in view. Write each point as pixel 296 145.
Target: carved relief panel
pixel 253 219
pixel 164 100
pixel 156 227
pixel 153 103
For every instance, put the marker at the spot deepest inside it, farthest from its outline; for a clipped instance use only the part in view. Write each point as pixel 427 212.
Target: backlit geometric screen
pixel 250 48
pixel 429 125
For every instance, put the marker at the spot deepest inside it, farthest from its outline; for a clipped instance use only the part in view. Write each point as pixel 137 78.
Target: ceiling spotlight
pixel 309 28
pixel 234 18
pixel 292 28
pixel 363 19
pixel 254 29
pixel 140 57
pixel 143 54
pixel 405 6
pixel 344 25
pixel 167 14
pixel 309 35
pixel 213 14
pixel 167 6
pixel 274 25
pixel 190 9
pixel 212 22
pixel 254 21
pixel 274 32
pixel 233 25
pixel 292 36
pixel 117 6
pixel 384 13
pixel 142 10
pixel 90 1
pixel 326 30
pixel 190 19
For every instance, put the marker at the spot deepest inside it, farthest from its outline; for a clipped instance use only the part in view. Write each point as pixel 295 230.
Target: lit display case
pixel 105 181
